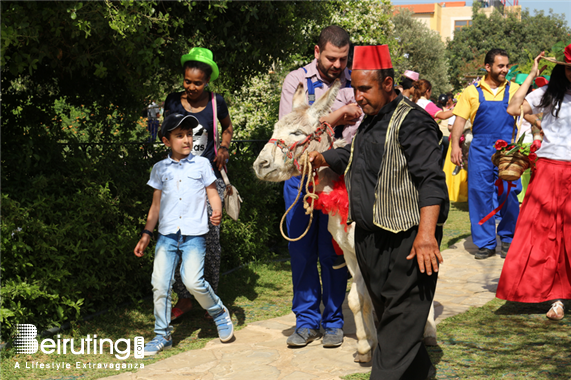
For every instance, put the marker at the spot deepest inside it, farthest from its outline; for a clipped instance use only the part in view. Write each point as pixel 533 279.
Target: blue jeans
pixel 169 250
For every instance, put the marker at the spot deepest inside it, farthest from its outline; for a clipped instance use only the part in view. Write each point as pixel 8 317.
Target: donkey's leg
pixel 359 299
pixel 362 308
pixel 430 328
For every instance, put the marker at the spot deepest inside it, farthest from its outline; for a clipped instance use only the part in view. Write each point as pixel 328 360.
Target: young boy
pixel 181 182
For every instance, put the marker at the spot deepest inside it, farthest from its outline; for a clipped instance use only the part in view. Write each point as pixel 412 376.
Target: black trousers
pixel 402 297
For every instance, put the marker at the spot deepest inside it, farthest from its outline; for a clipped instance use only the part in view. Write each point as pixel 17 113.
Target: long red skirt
pixel 538 264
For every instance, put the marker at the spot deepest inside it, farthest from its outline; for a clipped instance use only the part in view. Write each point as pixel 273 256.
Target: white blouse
pixel 556 143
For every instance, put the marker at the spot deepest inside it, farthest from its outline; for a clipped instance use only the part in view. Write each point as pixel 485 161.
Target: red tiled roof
pixel 429 8
pixel 418 8
pixel 451 4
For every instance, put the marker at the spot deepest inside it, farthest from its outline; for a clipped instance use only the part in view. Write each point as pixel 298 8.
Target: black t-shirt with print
pixel 205 118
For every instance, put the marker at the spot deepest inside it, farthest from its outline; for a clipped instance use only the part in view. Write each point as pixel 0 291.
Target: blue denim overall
pixel 308 291
pixel 492 122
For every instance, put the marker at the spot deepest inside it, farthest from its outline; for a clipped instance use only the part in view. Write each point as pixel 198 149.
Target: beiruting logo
pixel 26 343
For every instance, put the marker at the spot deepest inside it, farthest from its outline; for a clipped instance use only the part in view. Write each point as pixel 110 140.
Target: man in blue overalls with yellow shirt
pixel 485 103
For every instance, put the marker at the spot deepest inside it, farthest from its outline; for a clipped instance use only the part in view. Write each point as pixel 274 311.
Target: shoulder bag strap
pixel 225 178
pixel 215 124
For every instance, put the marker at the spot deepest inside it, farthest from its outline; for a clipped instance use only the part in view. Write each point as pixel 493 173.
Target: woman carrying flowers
pixel 538 264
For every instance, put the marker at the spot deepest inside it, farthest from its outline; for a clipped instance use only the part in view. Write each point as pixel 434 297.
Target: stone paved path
pixel 259 351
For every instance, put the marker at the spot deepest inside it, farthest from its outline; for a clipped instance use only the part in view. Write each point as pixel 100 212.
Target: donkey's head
pixel 295 133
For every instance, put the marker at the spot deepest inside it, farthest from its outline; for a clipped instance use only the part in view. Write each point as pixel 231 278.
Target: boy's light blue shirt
pixel 183 199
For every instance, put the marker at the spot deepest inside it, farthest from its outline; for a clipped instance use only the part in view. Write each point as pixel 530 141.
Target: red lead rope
pixel 289 150
pixel 500 185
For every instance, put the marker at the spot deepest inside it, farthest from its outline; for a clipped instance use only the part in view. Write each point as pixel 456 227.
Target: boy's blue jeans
pixel 169 250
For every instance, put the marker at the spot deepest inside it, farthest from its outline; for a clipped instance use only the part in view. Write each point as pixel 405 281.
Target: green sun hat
pixel 201 55
pixel 520 78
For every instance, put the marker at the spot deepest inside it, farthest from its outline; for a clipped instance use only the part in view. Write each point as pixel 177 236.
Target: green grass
pixel 457 226
pixel 253 293
pixel 501 340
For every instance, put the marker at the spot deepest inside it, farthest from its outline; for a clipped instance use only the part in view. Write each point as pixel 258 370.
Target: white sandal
pixel 554 306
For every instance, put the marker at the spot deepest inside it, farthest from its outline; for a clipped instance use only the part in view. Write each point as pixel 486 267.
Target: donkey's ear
pixel 299 97
pixel 323 105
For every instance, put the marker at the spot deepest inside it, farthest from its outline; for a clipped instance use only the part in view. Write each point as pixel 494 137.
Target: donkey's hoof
pixel 430 341
pixel 362 358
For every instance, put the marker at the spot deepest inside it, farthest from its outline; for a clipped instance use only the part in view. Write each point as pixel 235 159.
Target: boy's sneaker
pixel 339 262
pixel 158 344
pixel 224 325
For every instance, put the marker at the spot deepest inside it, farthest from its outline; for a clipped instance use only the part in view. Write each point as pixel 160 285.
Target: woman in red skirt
pixel 538 264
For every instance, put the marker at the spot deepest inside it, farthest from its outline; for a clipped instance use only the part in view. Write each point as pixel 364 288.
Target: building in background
pixel 446 17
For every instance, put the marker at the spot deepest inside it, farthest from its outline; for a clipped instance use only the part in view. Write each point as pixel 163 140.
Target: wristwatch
pixel 150 233
pixel 223 147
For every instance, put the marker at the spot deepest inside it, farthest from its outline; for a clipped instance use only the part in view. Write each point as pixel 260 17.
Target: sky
pixel 558 6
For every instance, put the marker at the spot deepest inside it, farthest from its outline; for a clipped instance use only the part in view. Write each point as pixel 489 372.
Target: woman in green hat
pixel 211 139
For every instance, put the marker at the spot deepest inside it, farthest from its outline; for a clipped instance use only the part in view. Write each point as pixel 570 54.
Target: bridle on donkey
pixel 302 157
pixel 288 151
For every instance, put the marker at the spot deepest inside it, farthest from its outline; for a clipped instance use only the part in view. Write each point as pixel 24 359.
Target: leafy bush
pixel 255 107
pixel 257 230
pixel 67 238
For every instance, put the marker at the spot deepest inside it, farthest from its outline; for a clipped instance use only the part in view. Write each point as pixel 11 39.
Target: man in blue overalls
pixel 331 54
pixel 485 103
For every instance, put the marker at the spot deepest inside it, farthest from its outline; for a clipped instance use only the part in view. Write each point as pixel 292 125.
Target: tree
pixel 422 51
pixel 94 54
pixel 367 22
pixel 530 33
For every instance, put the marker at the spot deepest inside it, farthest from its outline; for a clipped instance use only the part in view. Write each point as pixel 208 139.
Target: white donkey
pixel 301 131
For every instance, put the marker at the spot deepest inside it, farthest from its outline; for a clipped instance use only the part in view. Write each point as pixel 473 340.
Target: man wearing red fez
pixel 331 53
pixel 399 201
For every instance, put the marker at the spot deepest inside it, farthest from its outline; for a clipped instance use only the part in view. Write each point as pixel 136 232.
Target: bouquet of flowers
pixel 512 159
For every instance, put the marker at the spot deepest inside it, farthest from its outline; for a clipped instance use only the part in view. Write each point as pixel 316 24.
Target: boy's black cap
pixel 172 121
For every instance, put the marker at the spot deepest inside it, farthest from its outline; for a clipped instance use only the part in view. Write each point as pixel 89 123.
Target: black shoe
pixel 484 253
pixel 505 248
pixel 339 262
pixel 431 373
pixel 333 337
pixel 302 337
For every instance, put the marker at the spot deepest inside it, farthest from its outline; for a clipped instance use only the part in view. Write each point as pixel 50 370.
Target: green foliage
pixel 125 44
pixel 250 238
pixel 517 36
pixel 255 107
pixel 68 236
pixel 422 50
pixel 367 22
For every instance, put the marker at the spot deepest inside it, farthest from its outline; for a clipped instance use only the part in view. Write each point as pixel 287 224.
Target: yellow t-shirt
pixel 469 102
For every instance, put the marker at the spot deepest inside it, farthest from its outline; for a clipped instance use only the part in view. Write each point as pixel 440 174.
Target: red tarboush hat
pixel 372 58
